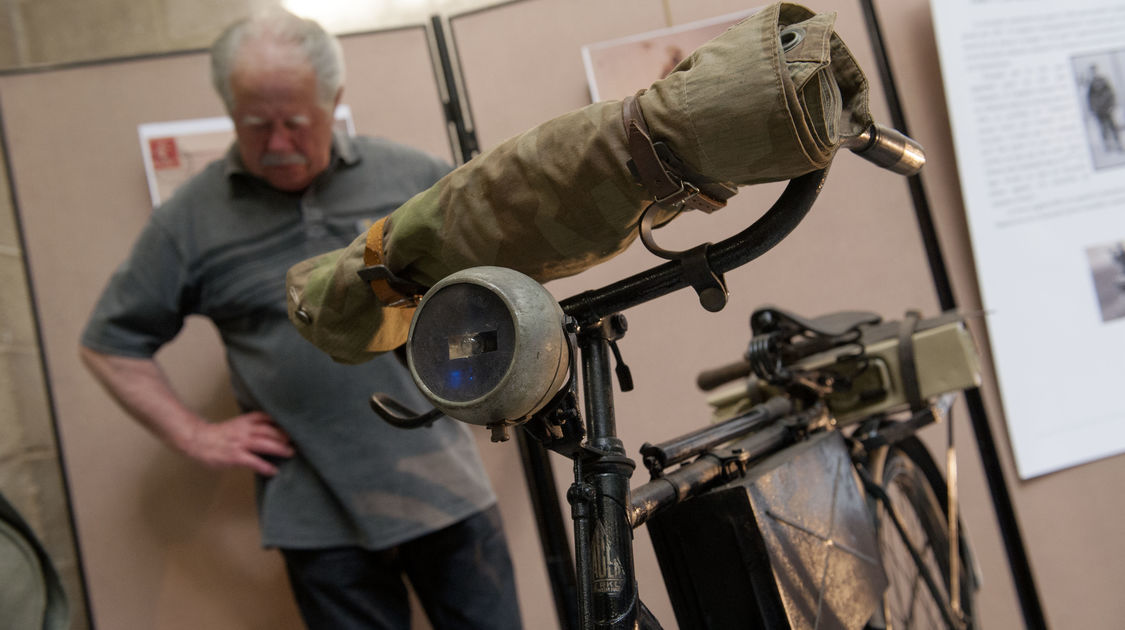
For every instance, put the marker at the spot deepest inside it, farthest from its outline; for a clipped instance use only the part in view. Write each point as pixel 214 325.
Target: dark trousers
pixel 462 575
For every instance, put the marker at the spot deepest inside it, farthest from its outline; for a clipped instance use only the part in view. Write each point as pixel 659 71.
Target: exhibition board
pixel 159 534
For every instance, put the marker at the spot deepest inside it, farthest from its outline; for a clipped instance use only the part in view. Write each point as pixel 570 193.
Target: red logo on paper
pixel 164 153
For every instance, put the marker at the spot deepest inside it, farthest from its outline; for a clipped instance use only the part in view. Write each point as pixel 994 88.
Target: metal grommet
pixel 791 36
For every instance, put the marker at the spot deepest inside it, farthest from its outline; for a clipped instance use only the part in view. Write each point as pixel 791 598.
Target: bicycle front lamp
pixel 487 347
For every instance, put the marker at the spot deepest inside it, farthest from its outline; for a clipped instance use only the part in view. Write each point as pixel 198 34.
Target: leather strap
pixel 906 364
pixel 664 176
pixel 380 283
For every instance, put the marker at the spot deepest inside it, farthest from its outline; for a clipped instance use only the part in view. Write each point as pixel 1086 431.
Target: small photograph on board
pixel 1107 267
pixel 1100 79
pixel 619 67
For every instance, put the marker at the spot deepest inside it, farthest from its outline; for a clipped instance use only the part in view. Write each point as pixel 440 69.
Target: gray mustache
pixel 283 159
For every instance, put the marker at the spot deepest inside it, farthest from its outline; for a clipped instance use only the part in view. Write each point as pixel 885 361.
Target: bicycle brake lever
pixel 709 285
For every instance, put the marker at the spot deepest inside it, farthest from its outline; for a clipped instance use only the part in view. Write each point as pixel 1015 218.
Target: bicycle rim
pixel 916 490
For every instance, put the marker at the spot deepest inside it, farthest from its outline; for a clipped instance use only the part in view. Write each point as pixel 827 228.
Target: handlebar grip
pixel 888 148
pixel 710 379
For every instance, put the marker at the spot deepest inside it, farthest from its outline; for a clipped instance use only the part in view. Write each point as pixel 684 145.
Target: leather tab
pixel 908 369
pixel 384 284
pixel 667 186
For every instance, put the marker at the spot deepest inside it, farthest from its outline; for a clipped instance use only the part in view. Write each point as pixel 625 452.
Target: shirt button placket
pixel 316 229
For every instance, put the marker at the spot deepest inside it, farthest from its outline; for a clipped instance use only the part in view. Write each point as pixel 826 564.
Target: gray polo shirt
pixel 220 248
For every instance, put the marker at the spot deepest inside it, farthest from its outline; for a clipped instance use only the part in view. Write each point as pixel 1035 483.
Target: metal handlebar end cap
pixel 888 148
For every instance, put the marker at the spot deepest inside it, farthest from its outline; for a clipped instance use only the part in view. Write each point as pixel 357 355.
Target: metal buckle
pixel 687 191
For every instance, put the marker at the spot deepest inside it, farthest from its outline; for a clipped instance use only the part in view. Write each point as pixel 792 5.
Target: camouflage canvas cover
pixel 743 109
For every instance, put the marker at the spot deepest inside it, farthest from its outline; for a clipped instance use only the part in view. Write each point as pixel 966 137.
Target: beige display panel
pixel 164 543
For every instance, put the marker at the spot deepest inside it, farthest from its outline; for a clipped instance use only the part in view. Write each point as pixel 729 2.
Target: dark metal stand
pixel 537 470
pixel 541 486
pixel 447 72
pixel 990 459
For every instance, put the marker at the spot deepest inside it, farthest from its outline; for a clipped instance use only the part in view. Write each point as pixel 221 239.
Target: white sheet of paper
pixel 1043 182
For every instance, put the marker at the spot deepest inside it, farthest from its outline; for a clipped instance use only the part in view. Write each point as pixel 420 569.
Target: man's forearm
pixel 140 387
pixel 142 390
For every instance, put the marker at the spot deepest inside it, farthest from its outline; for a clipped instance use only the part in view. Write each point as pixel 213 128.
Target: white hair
pixel 278 26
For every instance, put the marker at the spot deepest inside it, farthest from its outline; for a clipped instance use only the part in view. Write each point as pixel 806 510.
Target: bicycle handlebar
pixel 878 144
pixel 701 267
pixel 773 226
pixel 716 377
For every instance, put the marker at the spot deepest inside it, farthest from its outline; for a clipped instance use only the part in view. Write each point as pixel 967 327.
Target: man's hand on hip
pixel 241 442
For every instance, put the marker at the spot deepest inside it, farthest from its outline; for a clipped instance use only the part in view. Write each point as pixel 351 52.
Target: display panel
pixel 1042 173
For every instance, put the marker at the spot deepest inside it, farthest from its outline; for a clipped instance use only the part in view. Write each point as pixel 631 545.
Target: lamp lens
pixel 463 342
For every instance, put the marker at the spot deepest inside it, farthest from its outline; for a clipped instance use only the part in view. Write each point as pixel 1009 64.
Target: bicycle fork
pixel 599 497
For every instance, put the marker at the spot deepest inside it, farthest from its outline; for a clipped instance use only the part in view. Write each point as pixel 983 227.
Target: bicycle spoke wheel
pixel 916 492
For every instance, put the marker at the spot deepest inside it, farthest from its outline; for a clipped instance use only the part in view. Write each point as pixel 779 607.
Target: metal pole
pixel 537 471
pixel 990 459
pixel 542 488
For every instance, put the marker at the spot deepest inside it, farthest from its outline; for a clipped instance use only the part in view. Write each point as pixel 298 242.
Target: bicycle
pixel 829 406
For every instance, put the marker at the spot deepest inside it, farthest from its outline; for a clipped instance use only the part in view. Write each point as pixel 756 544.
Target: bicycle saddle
pixel 771 319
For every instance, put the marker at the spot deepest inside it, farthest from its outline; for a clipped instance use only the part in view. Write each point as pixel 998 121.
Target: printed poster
pixel 1035 92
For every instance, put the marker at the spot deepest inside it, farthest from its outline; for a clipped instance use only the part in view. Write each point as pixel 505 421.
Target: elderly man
pixel 352 503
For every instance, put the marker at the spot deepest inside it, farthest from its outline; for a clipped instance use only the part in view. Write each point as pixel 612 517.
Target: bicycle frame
pixel 604 509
